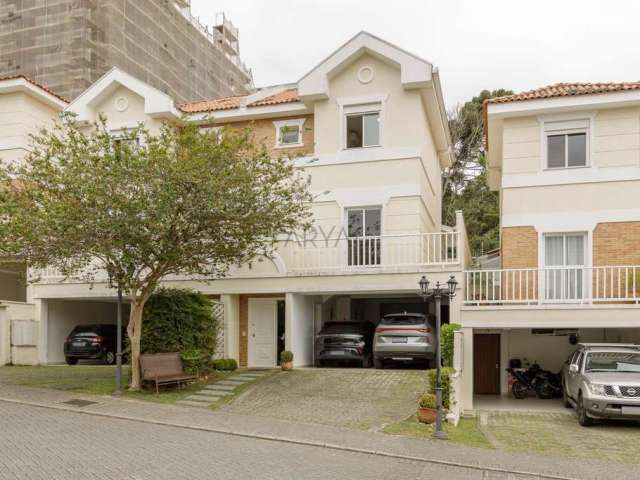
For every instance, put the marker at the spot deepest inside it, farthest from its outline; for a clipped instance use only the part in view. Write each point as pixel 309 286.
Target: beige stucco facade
pixel 311 272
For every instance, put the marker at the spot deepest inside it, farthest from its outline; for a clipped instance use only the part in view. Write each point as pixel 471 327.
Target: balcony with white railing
pixel 394 252
pixel 553 285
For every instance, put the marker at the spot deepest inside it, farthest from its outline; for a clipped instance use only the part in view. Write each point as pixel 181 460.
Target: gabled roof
pixel 567 90
pixel 157 104
pixel 415 72
pixel 13 83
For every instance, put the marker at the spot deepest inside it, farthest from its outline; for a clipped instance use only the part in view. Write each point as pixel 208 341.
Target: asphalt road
pixel 37 443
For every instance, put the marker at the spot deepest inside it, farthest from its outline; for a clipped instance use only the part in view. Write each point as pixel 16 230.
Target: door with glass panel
pixel 564 270
pixel 363 237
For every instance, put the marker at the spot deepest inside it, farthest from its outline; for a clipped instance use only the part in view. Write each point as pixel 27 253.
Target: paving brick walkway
pixel 215 392
pixel 365 399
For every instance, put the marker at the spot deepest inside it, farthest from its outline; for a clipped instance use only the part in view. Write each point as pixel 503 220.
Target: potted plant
pixel 286 360
pixel 427 408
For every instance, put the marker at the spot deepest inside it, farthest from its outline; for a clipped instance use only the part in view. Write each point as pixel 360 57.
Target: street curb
pixel 511 474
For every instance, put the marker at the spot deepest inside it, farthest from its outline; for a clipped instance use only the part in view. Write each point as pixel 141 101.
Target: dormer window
pixel 289 133
pixel 567 144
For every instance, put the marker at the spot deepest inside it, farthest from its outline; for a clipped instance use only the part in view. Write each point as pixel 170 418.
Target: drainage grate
pixel 76 402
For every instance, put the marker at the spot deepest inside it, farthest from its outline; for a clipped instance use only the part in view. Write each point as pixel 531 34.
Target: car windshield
pixel 85 329
pixel 342 328
pixel 402 320
pixel 613 362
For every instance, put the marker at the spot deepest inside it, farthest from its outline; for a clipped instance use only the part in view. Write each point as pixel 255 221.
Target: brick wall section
pixel 616 243
pixel 265 132
pixel 243 348
pixel 519 247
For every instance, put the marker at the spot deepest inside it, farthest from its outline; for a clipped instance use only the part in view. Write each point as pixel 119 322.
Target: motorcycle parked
pixel 543 383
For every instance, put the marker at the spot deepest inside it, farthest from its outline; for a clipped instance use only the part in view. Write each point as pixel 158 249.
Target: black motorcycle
pixel 545 384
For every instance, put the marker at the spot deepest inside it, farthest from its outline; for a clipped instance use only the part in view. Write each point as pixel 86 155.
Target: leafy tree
pixel 179 201
pixel 464 184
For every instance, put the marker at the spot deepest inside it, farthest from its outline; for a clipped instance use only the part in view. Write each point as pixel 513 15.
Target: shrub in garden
pixel 446 384
pixel 446 342
pixel 180 320
pixel 228 364
pixel 428 400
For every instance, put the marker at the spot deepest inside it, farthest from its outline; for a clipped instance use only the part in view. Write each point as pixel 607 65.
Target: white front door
pixel 263 323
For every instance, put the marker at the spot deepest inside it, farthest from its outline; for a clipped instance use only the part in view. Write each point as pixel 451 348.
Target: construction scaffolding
pixel 66 45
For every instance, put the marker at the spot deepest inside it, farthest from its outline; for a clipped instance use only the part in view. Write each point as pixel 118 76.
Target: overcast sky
pixel 476 44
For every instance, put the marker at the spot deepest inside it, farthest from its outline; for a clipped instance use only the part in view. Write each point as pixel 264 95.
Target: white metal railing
pixel 566 284
pixel 341 254
pixel 394 250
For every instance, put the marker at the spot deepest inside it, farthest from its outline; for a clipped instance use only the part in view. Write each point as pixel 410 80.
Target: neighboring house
pixel 566 161
pixel 25 106
pixel 368 124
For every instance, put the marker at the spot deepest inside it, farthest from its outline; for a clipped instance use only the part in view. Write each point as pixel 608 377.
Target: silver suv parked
pixel 602 380
pixel 403 337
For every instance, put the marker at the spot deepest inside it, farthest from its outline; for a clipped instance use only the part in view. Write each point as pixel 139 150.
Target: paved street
pixel 37 443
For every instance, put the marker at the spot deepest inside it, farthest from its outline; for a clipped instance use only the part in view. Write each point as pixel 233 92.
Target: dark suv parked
pixel 92 342
pixel 346 341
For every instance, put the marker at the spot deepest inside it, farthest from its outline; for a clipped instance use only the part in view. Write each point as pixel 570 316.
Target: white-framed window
pixel 124 136
pixel 564 265
pixel 289 133
pixel 362 129
pixel 566 144
pixel 215 131
pixel 364 230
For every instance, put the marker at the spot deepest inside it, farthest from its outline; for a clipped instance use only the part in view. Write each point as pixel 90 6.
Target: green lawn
pixel 467 431
pixel 93 379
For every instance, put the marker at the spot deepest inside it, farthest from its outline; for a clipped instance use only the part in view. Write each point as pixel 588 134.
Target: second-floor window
pixel 567 144
pixel 289 133
pixel 363 129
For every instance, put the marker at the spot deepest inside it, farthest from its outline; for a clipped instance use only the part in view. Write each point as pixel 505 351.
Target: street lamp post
pixel 436 293
pixel 119 345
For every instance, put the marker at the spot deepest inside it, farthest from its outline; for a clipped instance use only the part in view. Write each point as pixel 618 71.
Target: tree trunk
pixel 134 329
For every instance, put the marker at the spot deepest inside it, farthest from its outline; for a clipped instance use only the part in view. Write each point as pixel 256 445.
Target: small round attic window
pixel 365 74
pixel 121 104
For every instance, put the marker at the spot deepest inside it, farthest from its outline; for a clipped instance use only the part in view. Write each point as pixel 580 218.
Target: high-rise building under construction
pixel 67 45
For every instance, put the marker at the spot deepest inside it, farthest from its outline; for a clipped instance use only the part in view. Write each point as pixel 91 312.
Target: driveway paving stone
pixel 366 399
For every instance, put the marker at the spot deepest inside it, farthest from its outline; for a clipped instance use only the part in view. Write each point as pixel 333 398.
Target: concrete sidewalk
pixel 490 463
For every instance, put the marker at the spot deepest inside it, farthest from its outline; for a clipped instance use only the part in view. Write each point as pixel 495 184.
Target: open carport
pixel 61 316
pixel 494 350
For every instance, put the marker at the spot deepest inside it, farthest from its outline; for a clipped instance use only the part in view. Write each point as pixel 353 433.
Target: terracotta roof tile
pixel 286 96
pixel 41 87
pixel 227 103
pixel 224 103
pixel 567 90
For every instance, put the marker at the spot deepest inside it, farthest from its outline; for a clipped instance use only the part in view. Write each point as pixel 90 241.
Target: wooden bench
pixel 164 369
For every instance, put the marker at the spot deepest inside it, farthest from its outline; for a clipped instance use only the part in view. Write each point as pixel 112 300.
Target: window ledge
pixel 289 145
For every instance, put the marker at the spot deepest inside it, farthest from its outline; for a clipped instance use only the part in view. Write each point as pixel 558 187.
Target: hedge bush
pixel 446 339
pixel 225 364
pixel 446 384
pixel 180 320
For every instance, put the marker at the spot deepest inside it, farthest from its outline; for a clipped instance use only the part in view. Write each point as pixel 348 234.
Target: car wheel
pixel 109 358
pixel 583 419
pixel 378 363
pixel 71 360
pixel 565 397
pixel 519 390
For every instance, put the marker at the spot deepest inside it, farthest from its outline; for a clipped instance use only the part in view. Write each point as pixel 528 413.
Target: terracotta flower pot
pixel 426 415
pixel 287 365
